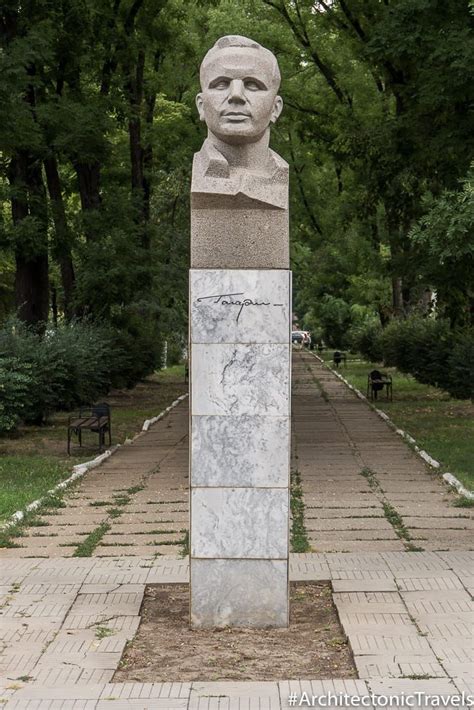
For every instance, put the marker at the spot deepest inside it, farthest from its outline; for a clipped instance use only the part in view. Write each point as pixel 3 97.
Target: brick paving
pixel 410 630
pixel 408 615
pixel 140 493
pixel 353 465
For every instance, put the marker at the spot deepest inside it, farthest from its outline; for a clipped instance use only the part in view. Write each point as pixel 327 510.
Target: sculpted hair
pixel 239 41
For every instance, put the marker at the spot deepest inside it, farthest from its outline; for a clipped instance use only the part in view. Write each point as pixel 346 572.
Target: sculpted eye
pixel 219 84
pixel 253 85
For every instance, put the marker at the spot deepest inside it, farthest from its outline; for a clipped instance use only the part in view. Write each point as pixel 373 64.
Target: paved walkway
pixel 364 487
pixel 65 624
pixel 407 614
pixel 139 495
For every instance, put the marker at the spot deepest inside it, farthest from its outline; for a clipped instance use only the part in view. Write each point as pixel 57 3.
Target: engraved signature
pixel 228 299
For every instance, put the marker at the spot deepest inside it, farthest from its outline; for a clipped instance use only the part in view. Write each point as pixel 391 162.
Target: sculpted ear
pixel 199 104
pixel 277 109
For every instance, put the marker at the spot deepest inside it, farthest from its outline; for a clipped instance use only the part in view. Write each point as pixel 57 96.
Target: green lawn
pixel 443 426
pixel 33 459
pixel 25 478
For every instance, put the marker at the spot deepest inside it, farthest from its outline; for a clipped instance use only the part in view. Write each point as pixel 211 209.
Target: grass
pixel 371 479
pixel 298 537
pixel 33 459
pixel 88 545
pixel 50 504
pixel 26 478
pixel 396 521
pixel 441 425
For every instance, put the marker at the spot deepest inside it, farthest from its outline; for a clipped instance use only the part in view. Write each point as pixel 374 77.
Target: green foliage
pixel 377 130
pixel 444 238
pixel 69 366
pixel 335 317
pixel 461 365
pixel 366 338
pixel 14 385
pixel 419 346
pixel 24 478
pixel 432 353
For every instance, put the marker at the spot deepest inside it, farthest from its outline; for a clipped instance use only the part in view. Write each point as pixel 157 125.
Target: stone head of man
pixel 239 90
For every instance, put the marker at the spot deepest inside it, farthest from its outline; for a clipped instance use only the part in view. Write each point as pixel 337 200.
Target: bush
pixel 367 340
pixel 335 317
pixel 427 349
pixel 420 346
pixel 15 380
pixel 70 365
pixel 461 366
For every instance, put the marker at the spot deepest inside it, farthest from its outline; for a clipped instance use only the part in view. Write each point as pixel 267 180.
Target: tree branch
pixel 303 38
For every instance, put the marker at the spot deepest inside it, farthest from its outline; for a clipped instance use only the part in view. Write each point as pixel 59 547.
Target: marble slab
pixel 245 523
pixel 247 593
pixel 240 379
pixel 240 305
pixel 240 451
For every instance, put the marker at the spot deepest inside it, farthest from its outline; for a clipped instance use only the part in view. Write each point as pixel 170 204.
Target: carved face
pixel 239 94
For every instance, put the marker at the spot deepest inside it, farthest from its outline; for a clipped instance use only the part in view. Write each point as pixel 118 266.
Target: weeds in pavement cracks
pixel 119 501
pixel 395 520
pixel 372 480
pixel 464 502
pixel 185 544
pixel 318 384
pixel 48 507
pixel 101 632
pixel 298 536
pixel 88 545
pixel 390 513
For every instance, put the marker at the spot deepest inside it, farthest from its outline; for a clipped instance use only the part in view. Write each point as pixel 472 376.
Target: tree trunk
pixel 88 177
pixel 62 247
pixel 397 295
pixel 31 255
pixel 135 98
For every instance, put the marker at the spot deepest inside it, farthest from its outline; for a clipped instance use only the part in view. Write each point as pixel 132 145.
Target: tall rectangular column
pixel 240 310
pixel 240 443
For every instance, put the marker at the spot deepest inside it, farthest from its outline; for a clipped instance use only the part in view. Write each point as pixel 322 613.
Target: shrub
pixel 45 363
pixel 15 380
pixel 461 366
pixel 335 317
pixel 70 365
pixel 419 346
pixel 366 339
pixel 435 355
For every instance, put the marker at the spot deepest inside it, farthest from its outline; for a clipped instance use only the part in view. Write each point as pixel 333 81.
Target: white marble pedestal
pixel 240 443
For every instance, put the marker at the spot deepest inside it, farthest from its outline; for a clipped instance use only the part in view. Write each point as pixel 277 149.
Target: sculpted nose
pixel 236 91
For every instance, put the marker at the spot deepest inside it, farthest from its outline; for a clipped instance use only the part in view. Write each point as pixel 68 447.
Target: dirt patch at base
pixel 166 649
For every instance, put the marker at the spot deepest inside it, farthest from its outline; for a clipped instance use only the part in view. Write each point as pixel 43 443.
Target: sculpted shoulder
pixel 212 174
pixel 238 102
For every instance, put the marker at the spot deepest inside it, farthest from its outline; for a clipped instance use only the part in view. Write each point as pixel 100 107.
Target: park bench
pixel 339 357
pixel 95 419
pixel 376 382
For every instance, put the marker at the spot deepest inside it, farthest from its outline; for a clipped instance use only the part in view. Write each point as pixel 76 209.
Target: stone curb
pixel 148 422
pixel 81 469
pixel 447 477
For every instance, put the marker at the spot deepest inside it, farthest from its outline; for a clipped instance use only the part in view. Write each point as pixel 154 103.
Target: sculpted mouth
pixel 239 114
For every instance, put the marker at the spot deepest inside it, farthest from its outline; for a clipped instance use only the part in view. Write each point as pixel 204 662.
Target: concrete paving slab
pixel 376 644
pixel 361 585
pixel 252 695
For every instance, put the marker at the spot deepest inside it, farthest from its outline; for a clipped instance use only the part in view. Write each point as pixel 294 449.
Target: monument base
pixel 243 593
pixel 240 443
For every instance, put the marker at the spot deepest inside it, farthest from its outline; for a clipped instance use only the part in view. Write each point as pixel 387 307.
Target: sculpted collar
pixel 213 175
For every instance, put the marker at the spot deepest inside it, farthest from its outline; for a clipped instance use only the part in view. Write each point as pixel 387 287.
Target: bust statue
pixel 238 102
